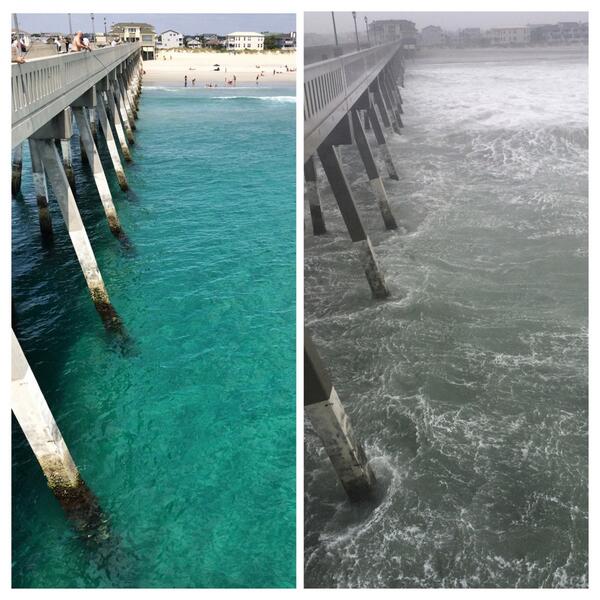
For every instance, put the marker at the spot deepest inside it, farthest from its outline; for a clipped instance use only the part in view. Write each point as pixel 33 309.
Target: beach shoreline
pixel 172 66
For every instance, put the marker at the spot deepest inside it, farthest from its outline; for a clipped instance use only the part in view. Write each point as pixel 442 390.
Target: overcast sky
pixel 321 22
pixel 184 23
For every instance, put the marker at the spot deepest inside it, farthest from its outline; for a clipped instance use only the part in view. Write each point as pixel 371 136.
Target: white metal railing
pixel 331 87
pixel 42 88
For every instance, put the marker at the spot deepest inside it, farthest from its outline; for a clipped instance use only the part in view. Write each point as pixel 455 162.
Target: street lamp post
pixel 105 29
pixel 93 28
pixel 334 29
pixel 70 26
pixel 367 28
pixel 356 31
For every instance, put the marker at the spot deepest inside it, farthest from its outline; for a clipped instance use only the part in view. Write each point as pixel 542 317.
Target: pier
pixel 48 95
pixel 349 99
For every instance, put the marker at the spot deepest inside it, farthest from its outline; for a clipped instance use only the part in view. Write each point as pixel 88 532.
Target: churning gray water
pixel 468 387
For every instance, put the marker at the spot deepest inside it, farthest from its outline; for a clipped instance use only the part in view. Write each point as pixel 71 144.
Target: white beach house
pixel 170 39
pixel 245 40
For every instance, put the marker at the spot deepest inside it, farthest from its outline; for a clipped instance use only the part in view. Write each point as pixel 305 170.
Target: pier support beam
pixel 378 98
pixel 125 98
pixel 17 168
pixel 343 195
pixel 331 423
pixel 35 419
pixel 65 148
pixel 110 142
pixel 381 142
pixel 77 233
pixel 372 172
pixel 390 101
pixel 93 158
pixel 120 106
pixel 41 192
pixel 314 199
pixel 114 111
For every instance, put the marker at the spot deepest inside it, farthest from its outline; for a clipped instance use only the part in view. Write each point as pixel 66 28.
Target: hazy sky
pixel 321 22
pixel 185 23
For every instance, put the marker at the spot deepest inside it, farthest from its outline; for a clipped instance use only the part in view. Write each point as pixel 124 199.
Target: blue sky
pixel 185 23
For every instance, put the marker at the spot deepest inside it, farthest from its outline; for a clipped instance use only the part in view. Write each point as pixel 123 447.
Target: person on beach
pixel 194 82
pixel 234 80
pixel 18 48
pixel 78 44
pixel 185 81
pixel 257 80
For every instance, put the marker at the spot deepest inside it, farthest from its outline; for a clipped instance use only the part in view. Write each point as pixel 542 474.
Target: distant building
pixel 136 32
pixel 281 41
pixel 393 30
pixel 214 41
pixel 170 39
pixel 245 40
pixel 192 41
pixel 560 33
pixel 432 35
pixel 509 36
pixel 470 36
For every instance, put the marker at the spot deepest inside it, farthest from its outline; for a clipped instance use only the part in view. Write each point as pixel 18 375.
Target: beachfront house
pixel 190 41
pixel 508 36
pixel 393 30
pixel 170 39
pixel 245 40
pixel 136 32
pixel 279 41
pixel 432 36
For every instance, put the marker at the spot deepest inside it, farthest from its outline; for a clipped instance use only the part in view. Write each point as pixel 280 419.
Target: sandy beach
pixel 171 66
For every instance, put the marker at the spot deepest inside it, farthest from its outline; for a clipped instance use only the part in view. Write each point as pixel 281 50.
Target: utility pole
pixel 356 30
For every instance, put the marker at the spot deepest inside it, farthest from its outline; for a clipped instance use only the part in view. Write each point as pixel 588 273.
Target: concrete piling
pixel 114 111
pixel 110 142
pixel 120 106
pixel 93 122
pixel 331 423
pixel 125 98
pixel 77 233
pixel 391 100
pixel 378 98
pixel 314 199
pixel 372 172
pixel 45 439
pixel 93 158
pixel 344 198
pixel 388 103
pixel 41 192
pixel 67 160
pixel 381 142
pixel 17 168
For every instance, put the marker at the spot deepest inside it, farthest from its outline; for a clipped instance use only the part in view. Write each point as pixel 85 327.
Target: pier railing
pixel 333 86
pixel 43 87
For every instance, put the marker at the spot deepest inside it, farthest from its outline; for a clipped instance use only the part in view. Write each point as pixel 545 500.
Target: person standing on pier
pixel 78 43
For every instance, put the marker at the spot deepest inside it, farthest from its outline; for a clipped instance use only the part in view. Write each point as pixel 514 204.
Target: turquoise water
pixel 187 437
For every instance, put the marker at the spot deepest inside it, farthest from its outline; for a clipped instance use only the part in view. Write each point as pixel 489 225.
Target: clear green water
pixel 188 438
